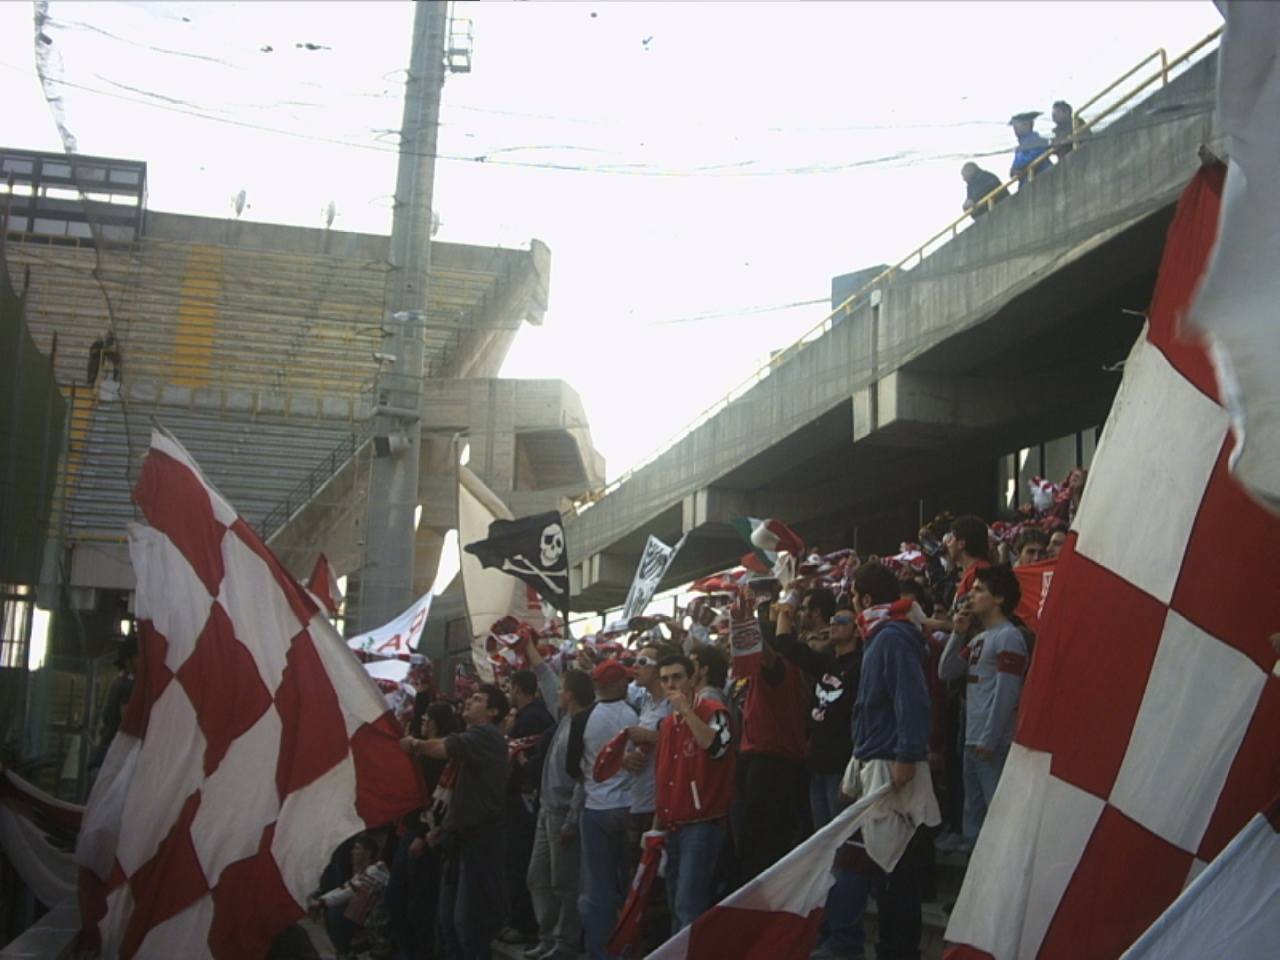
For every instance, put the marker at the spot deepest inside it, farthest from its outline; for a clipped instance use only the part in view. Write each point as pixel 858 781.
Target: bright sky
pixel 680 159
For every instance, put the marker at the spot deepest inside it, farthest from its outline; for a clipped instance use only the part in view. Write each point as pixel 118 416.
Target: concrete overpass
pixel 910 402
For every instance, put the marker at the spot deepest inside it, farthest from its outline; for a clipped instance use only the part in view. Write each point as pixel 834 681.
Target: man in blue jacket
pixel 1030 147
pixel 891 722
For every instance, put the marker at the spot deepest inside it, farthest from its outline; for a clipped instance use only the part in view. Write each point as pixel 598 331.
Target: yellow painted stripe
pixel 82 402
pixel 197 320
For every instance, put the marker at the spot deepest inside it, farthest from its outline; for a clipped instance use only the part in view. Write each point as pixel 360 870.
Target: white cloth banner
pixel 48 871
pixel 1232 909
pixel 779 911
pixel 1239 302
pixel 653 566
pixel 490 594
pixel 397 639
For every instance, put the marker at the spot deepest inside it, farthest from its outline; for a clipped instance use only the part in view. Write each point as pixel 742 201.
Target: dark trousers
pixel 522 823
pixel 473 900
pixel 341 931
pixel 413 895
pixel 774 807
pixel 899 925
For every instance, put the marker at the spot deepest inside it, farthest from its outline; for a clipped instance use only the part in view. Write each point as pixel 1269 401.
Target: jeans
pixel 553 884
pixel 981 775
pixel 841 932
pixel 521 823
pixel 604 875
pixel 692 853
pixel 824 798
pixel 473 902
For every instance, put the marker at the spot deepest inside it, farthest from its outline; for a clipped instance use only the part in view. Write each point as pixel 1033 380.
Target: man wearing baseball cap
pixel 603 828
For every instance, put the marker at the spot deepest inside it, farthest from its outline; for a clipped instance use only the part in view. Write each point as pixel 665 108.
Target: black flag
pixel 533 549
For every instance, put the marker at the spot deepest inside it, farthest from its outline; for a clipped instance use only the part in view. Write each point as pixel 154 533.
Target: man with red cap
pixel 603 828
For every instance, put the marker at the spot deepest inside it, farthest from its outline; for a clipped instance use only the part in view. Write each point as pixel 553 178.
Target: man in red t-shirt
pixel 773 792
pixel 694 777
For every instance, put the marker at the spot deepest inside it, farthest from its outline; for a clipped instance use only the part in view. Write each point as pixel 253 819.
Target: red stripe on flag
pixel 176 502
pixel 166 884
pixel 224 686
pixel 753 934
pixel 963 951
pixel 304 608
pixel 1104 909
pixel 381 765
pixel 149 682
pixel 251 905
pixel 1190 240
pixel 313 734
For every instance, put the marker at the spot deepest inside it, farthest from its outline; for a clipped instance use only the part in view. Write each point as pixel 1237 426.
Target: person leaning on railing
pixel 979 183
pixel 1031 146
pixel 1065 127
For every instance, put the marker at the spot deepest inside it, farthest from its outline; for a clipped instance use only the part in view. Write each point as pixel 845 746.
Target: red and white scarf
pixel 442 796
pixel 872 618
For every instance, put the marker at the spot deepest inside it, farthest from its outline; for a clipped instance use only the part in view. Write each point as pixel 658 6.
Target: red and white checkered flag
pixel 253 743
pixel 1149 722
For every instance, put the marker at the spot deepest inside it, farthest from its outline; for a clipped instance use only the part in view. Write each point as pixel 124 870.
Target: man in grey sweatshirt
pixel 553 868
pixel 995 662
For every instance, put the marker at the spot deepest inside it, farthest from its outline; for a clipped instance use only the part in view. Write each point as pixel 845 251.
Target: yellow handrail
pixel 855 299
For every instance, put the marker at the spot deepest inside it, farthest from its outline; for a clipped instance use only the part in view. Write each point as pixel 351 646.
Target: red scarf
pixel 442 795
pixel 872 618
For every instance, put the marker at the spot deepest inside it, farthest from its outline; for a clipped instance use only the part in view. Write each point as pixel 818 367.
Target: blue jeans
pixel 604 875
pixel 981 775
pixel 824 798
pixel 692 854
pixel 841 932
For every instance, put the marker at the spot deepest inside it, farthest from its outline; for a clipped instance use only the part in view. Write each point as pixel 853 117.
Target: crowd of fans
pixel 548 785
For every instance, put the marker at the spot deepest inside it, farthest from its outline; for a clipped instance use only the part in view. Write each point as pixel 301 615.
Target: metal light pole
pixel 386 587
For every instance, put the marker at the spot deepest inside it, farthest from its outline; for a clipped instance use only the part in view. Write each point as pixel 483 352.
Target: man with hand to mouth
pixel 695 774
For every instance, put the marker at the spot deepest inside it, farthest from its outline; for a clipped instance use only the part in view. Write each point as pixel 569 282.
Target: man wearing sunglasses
pixel 649 699
pixel 835 670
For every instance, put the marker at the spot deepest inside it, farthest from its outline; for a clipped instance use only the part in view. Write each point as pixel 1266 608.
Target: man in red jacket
pixel 694 775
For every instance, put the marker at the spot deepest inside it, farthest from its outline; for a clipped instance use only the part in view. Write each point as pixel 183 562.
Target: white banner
pixel 397 639
pixel 653 566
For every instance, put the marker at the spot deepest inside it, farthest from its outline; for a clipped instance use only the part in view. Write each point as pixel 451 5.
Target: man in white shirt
pixel 603 828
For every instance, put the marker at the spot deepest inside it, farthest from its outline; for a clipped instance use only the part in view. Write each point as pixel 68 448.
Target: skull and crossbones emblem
pixel 550 549
pixel 551 544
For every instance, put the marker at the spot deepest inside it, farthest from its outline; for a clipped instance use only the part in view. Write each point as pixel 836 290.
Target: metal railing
pixel 316 479
pixel 952 229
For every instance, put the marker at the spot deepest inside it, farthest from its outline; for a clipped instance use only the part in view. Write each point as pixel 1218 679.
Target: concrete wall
pixel 1119 179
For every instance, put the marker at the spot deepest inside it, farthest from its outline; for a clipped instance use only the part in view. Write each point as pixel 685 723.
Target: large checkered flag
pixel 254 742
pixel 1150 718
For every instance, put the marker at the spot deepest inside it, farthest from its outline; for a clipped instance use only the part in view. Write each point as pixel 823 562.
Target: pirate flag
pixel 531 548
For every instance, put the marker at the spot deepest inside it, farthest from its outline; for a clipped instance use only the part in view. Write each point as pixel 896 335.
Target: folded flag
pixel 769 540
pixel 323 585
pixel 609 759
pixel 634 911
pixel 777 915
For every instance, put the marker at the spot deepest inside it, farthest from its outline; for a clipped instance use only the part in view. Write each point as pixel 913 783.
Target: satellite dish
pixel 435 223
pixel 330 212
pixel 237 203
